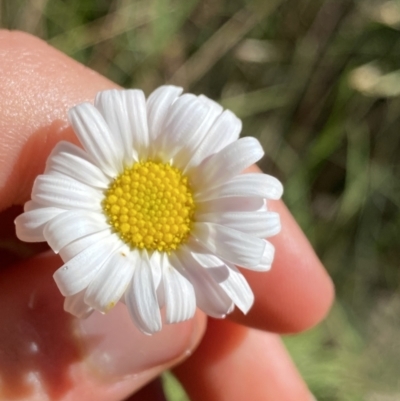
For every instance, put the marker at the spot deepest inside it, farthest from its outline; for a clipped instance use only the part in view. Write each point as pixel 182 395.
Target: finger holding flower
pixel 39 87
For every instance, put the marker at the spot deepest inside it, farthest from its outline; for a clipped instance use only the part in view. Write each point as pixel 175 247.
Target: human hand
pixel 47 354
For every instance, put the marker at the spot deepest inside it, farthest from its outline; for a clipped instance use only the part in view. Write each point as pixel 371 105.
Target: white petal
pixel 31 205
pixel 183 159
pixel 75 305
pixel 229 205
pixel 156 263
pixel 229 244
pixel 65 193
pixel 243 185
pixel 160 296
pixel 29 225
pixel 210 297
pixel 72 225
pixel 96 138
pixel 225 130
pixel 184 128
pixel 179 295
pixel 226 164
pixel 141 298
pixel 218 109
pixel 266 260
pixel 230 279
pixel 112 280
pixel 77 273
pixel 73 248
pixel 126 114
pixel 259 224
pixel 158 106
pixel 238 289
pixel 73 162
pixel 218 269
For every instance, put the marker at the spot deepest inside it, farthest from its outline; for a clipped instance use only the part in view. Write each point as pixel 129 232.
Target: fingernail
pixel 114 347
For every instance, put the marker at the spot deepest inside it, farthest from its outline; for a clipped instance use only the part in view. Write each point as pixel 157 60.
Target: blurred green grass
pixel 318 82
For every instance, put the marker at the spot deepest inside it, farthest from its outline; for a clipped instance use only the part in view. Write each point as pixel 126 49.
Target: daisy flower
pixel 154 210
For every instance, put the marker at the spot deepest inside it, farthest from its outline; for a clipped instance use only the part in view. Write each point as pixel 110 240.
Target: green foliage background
pixel 318 82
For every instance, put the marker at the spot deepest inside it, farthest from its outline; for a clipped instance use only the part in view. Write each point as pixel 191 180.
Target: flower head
pixel 155 209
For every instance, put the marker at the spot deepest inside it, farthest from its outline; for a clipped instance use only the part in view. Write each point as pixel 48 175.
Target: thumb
pixel 46 353
pixel 38 85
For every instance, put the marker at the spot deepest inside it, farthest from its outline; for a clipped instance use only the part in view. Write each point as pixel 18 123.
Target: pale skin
pixel 222 360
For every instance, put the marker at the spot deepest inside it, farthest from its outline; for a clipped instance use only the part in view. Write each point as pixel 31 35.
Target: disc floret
pixel 150 206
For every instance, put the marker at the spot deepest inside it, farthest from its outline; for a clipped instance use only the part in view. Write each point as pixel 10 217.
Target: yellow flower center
pixel 150 205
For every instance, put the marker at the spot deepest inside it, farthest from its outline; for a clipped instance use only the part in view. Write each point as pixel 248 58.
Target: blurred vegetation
pixel 318 82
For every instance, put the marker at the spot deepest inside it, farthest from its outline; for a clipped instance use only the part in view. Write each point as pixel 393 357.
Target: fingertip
pixel 38 85
pixel 304 289
pixel 237 363
pixel 297 292
pixel 105 355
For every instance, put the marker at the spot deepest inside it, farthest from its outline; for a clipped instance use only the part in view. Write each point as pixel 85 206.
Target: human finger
pixel 235 363
pixel 39 84
pixel 46 353
pixel 293 296
pixel 297 292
